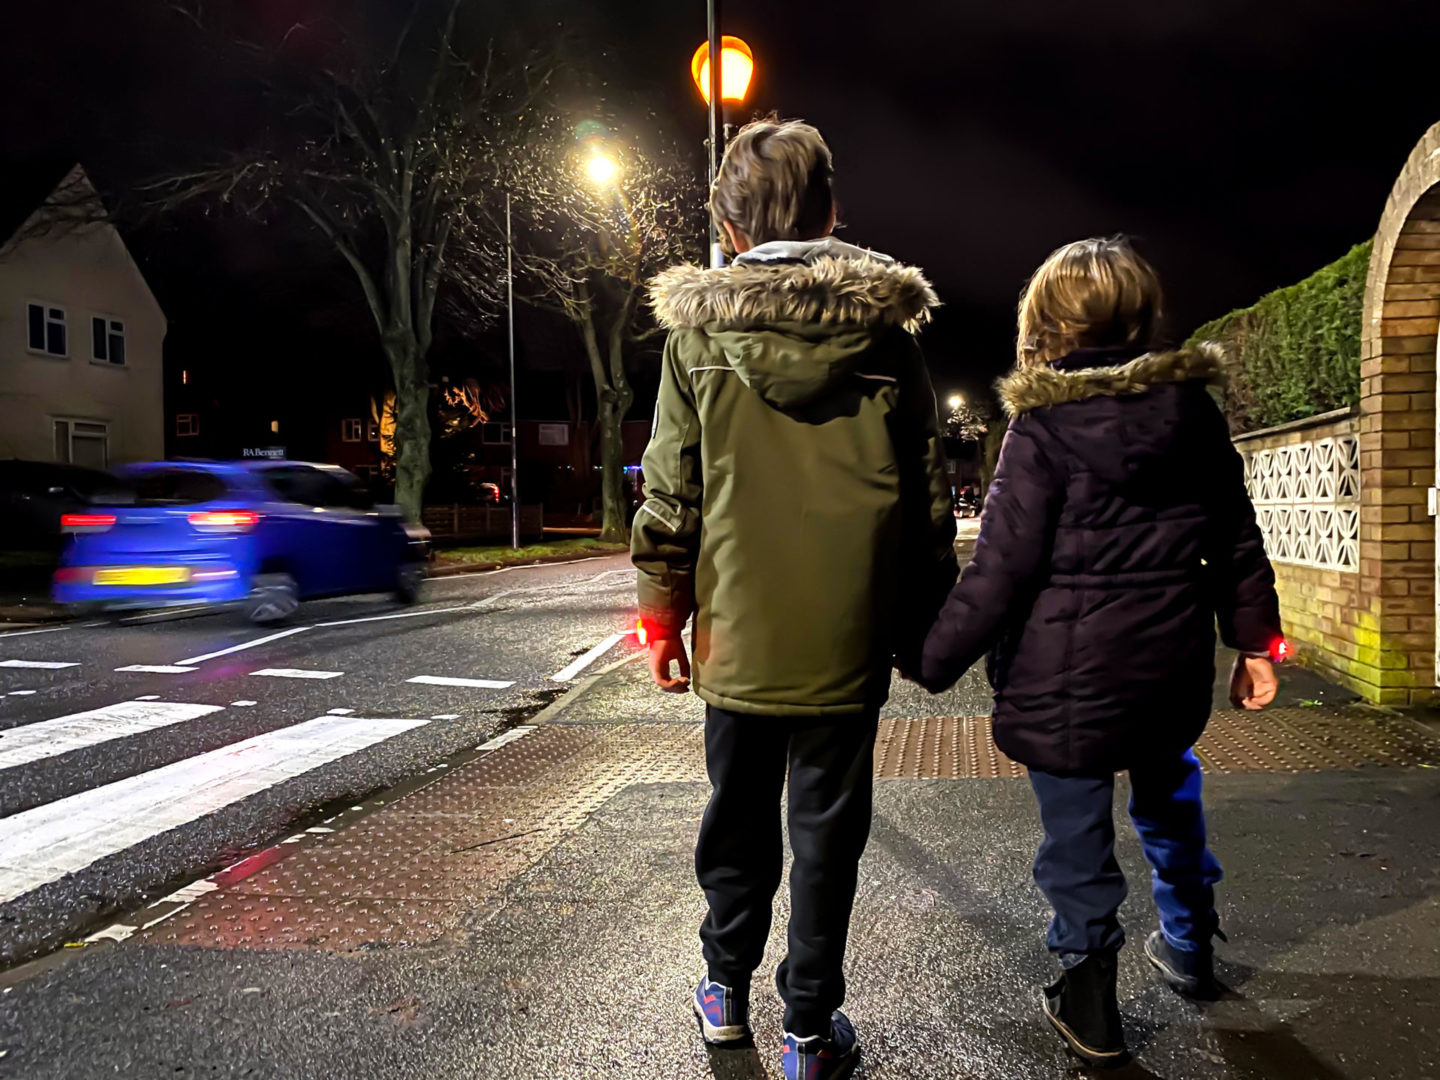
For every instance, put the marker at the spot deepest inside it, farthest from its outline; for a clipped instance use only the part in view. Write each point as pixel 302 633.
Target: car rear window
pixel 177 487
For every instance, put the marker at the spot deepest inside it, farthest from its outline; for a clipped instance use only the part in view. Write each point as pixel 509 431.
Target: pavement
pixel 529 908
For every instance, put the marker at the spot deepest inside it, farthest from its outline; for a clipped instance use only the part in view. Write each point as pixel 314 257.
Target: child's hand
pixel 662 652
pixel 1253 684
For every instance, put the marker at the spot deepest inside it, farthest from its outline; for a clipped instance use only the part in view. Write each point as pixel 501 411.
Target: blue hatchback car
pixel 261 535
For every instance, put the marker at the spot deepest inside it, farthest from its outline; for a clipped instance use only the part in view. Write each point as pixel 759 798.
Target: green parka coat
pixel 797 502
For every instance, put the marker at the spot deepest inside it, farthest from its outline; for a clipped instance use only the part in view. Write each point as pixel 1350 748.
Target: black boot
pixel 1189 973
pixel 1082 1007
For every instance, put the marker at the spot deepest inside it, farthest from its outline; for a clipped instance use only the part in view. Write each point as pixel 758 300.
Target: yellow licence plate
pixel 143 575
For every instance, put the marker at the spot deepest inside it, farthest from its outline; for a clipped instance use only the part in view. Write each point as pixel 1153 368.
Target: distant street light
pixel 602 170
pixel 956 400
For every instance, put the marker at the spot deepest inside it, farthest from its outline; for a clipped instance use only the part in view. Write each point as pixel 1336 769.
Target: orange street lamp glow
pixel 737 65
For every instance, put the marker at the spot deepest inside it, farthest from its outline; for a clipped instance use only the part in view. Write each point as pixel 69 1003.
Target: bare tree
pixel 392 154
pixel 597 220
pixel 966 422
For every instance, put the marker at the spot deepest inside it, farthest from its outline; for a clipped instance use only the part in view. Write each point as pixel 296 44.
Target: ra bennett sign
pixel 263 452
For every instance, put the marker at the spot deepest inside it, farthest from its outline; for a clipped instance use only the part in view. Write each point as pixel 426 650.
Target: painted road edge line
pixel 44 665
pixel 157 669
pixel 243 646
pixel 574 668
pixel 445 680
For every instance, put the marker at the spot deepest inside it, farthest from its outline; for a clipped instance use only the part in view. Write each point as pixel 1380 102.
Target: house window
pixel 554 434
pixel 187 424
pixel 274 427
pixel 82 442
pixel 184 378
pixel 495 434
pixel 107 337
pixel 372 431
pixel 366 472
pixel 47 330
pixel 351 430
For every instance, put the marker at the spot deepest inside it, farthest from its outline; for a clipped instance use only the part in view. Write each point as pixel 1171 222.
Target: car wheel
pixel 273 598
pixel 410 582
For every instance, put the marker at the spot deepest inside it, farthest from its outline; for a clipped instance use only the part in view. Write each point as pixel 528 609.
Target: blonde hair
pixel 774 183
pixel 1091 293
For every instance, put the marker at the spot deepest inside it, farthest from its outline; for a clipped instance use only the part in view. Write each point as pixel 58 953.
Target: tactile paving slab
pixel 430 866
pixel 1275 740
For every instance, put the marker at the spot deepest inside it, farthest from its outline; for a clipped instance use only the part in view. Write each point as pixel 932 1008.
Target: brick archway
pixel 1395 623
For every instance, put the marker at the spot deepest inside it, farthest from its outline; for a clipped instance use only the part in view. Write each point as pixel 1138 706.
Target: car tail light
pixel 86 522
pixel 1279 650
pixel 224 520
pixel 68 575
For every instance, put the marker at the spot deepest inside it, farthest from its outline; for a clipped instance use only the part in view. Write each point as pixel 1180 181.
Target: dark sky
pixel 1243 142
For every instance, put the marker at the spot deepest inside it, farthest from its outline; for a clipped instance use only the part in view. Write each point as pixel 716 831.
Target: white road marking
pixel 297 673
pixel 486 601
pixel 446 716
pixel 506 737
pixel 569 671
pixel 50 738
pixel 157 669
pixel 148 697
pixel 244 704
pixel 244 645
pixel 42 630
pixel 442 680
pixel 117 932
pixel 43 845
pixel 397 615
pixel 342 712
pixel 47 665
pixel 20 693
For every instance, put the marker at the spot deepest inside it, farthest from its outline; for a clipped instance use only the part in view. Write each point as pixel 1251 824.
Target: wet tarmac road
pixel 152 701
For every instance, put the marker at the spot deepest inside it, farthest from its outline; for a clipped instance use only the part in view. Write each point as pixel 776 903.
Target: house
pixel 81 377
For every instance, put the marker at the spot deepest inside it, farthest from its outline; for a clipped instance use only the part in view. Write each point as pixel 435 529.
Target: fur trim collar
pixel 828 290
pixel 1039 387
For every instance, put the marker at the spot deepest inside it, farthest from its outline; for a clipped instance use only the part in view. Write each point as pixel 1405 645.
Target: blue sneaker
pixel 819 1058
pixel 724 1015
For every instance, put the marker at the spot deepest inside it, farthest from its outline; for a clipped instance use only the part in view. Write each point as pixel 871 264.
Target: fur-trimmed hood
pixel 1038 387
pixel 826 282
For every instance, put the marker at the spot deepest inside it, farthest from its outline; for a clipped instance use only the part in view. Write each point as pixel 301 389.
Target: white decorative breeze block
pixel 1307 500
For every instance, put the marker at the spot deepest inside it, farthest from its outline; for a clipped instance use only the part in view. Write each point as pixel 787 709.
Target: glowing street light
pixel 602 170
pixel 955 401
pixel 737 65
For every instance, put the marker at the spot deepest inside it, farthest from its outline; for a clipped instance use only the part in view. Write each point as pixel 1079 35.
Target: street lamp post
pixel 514 426
pixel 603 171
pixel 721 68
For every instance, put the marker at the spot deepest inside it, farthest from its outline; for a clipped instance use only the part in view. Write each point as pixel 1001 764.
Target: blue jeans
pixel 1076 867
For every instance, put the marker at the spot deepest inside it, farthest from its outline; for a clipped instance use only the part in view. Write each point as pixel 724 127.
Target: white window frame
pixel 502 440
pixel 372 431
pixel 352 434
pixel 193 425
pixel 46 306
pixel 553 434
pixel 111 321
pixel 70 422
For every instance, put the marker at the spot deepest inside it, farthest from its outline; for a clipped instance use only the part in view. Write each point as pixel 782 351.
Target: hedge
pixel 1296 351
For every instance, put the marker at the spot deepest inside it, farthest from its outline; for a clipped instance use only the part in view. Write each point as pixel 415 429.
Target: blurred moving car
pixel 34 495
pixel 263 535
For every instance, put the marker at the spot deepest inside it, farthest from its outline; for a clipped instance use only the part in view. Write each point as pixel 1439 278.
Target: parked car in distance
pixel 34 495
pixel 262 535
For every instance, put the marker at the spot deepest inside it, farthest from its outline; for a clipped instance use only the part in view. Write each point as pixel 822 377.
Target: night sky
pixel 1243 144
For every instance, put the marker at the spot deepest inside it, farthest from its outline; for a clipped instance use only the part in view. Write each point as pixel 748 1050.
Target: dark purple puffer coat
pixel 1116 531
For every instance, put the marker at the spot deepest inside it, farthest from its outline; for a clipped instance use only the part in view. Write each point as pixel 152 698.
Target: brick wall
pixel 1321 607
pixel 1397 437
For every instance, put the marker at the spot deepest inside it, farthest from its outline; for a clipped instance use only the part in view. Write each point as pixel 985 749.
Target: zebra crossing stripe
pixel 45 844
pixel 51 738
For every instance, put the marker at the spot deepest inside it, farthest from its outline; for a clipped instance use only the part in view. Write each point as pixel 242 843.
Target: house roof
pixel 23 187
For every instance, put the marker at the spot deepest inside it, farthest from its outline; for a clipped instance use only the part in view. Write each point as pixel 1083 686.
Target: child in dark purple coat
pixel 1116 533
